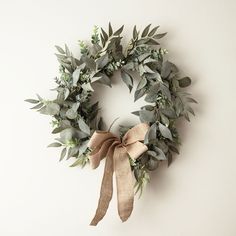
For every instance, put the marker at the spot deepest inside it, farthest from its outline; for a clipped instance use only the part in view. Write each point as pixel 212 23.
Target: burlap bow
pixel 117 152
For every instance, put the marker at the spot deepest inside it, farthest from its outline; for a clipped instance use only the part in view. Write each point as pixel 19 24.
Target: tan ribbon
pixel 117 152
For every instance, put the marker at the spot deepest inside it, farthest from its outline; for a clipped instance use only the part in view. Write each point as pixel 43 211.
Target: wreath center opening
pixel 117 102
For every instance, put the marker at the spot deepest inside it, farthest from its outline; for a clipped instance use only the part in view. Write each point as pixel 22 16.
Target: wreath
pixel 141 148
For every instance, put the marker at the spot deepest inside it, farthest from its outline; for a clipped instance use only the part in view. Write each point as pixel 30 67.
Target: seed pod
pixel 152 164
pixel 144 159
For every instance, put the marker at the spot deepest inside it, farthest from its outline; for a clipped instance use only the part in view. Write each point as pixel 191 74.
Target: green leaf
pixel 67 134
pixel 55 145
pixel 142 83
pixel 174 149
pixel 90 63
pixel 104 34
pixel 87 87
pixel 67 51
pixel 37 106
pixel 148 60
pixel 148 70
pixel 71 114
pixel 82 160
pixel 110 30
pixel 165 132
pixel 184 82
pixel 102 78
pixel 139 93
pixel 165 91
pixel 141 69
pixel 189 109
pixel 153 31
pixel 83 147
pixel 146 116
pixel 59 49
pixel 159 36
pixel 83 126
pixel 39 98
pixel 63 154
pixel 75 76
pixel 127 79
pixel 33 101
pixel 166 69
pixel 66 93
pixel 152 42
pixel 119 31
pixel 50 109
pixel 169 112
pixel 151 133
pixel 75 106
pixel 164 120
pixel 152 164
pixel 151 97
pixel 188 99
pixel 135 32
pixel 102 61
pixel 146 30
pixel 169 157
pixel 161 155
pixel 143 56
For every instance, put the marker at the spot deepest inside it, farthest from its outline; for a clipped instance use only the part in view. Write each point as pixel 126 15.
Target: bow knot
pixel 117 152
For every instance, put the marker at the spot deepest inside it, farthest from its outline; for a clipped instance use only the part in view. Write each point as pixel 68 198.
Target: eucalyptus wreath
pixel 75 117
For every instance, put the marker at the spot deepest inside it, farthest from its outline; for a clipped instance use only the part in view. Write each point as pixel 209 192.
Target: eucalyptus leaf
pixel 38 106
pixel 90 63
pixel 146 30
pixel 144 56
pixel 159 36
pixel 166 69
pixel 104 34
pixel 83 147
pixel 50 109
pixel 127 79
pixel 63 154
pixel 152 164
pixel 104 79
pixel 59 49
pixel 71 114
pixel 75 76
pixel 135 32
pixel 83 126
pixel 165 132
pixel 110 29
pixel 142 83
pixel 151 134
pixel 153 31
pixel 119 31
pixel 66 93
pixel 87 87
pixel 139 93
pixel 160 154
pixel 174 149
pixel 102 61
pixel 33 101
pixel 147 116
pixel 55 145
pixel 184 82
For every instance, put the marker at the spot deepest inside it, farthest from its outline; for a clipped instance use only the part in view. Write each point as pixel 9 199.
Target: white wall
pixel 194 197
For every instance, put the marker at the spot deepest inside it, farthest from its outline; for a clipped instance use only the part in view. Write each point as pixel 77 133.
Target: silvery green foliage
pixel 75 117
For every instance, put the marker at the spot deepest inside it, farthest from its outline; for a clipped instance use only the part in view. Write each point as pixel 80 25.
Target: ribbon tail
pixel 105 192
pixel 124 182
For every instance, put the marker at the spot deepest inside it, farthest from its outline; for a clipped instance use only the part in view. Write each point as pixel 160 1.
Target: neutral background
pixel 40 196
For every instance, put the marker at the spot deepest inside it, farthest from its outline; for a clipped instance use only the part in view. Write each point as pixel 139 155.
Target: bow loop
pixel 117 152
